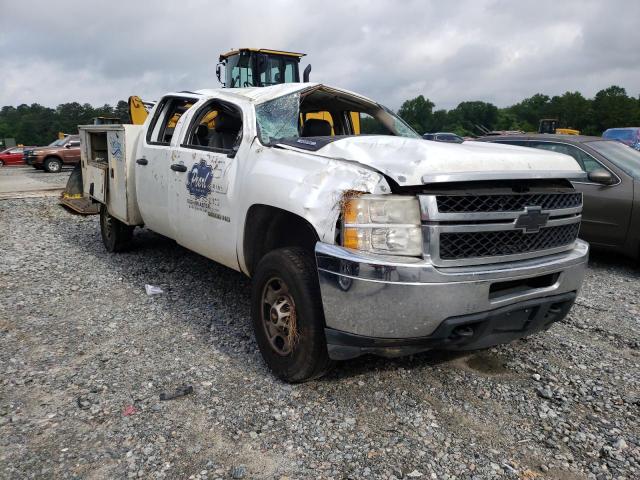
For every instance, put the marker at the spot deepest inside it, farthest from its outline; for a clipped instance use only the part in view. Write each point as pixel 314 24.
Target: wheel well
pixel 48 157
pixel 268 228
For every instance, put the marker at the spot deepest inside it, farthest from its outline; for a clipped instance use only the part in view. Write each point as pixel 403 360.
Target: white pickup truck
pixel 359 236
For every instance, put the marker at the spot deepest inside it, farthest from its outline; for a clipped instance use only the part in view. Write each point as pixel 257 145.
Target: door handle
pixel 142 161
pixel 178 167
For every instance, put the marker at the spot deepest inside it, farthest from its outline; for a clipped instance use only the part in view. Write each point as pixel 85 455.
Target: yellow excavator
pixel 260 67
pixel 550 125
pixel 250 67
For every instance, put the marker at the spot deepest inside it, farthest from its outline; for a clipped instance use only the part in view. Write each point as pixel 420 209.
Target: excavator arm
pixel 139 109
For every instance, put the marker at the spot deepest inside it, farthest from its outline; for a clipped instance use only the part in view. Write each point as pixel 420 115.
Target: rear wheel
pixel 287 315
pixel 52 165
pixel 116 236
pixel 1 163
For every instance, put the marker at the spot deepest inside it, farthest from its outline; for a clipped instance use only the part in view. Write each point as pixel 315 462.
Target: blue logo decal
pixel 199 179
pixel 116 147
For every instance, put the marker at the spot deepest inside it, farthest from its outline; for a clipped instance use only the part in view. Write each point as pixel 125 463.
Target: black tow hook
pixel 463 331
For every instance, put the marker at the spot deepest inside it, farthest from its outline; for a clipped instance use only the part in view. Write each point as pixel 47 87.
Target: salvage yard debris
pixel 153 290
pixel 180 392
pixel 129 410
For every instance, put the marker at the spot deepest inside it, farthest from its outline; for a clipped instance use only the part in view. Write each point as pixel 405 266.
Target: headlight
pixel 387 224
pixel 36 152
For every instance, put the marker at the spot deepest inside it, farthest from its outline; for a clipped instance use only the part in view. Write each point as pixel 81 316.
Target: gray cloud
pixel 498 51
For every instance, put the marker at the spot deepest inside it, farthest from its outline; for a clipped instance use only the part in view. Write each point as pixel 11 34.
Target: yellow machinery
pixel 138 110
pixel 550 125
pixel 251 67
pixel 260 67
pixel 567 131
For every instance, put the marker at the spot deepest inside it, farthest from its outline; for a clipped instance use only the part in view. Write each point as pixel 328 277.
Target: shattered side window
pixel 401 128
pixel 278 118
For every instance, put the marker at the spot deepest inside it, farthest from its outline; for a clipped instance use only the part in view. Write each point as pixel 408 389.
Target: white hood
pixel 412 161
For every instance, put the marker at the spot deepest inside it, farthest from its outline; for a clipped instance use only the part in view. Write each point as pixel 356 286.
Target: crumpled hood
pixel 411 161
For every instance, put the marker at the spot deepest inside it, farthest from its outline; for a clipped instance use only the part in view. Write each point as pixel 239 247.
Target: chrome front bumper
pixel 407 298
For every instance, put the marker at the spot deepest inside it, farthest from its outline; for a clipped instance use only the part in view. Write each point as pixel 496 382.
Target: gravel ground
pixel 85 354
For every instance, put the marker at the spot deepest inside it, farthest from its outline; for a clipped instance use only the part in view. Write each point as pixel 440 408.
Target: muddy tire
pixel 116 236
pixel 52 165
pixel 287 315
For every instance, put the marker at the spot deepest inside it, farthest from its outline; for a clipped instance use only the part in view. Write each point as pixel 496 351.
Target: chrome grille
pixel 506 203
pixel 468 229
pixel 454 245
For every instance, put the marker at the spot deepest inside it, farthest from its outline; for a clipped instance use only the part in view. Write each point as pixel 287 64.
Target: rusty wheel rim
pixel 108 225
pixel 279 316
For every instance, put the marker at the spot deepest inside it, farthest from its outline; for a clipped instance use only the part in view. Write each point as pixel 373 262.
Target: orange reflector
pixel 350 238
pixel 350 211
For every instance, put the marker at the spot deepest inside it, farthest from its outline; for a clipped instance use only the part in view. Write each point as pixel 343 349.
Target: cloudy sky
pixel 495 50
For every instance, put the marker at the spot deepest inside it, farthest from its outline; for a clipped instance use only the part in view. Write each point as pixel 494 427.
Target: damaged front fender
pixel 306 185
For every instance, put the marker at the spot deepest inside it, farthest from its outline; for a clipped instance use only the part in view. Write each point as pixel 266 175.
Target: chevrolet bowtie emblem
pixel 532 220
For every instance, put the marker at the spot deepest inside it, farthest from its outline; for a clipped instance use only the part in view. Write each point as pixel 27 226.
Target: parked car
pixel 443 137
pixel 629 136
pixel 611 213
pixel 51 158
pixel 12 156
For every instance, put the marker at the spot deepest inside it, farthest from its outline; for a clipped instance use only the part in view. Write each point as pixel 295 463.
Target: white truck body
pixel 206 199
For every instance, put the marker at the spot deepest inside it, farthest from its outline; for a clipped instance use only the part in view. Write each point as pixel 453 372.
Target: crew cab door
pixel 153 174
pixel 202 190
pixel 71 152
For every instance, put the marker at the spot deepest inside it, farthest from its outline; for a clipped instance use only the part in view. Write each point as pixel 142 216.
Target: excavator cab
pixel 551 125
pixel 251 67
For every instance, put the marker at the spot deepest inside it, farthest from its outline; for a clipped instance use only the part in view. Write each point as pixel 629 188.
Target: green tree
pixel 122 111
pixel 439 121
pixel 612 107
pixel 530 110
pixel 418 112
pixel 470 115
pixel 572 110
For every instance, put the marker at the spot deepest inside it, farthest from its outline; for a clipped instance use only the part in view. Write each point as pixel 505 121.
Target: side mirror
pixel 68 145
pixel 602 176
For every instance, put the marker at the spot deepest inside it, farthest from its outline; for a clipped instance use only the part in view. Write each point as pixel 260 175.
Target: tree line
pixel 611 107
pixel 37 125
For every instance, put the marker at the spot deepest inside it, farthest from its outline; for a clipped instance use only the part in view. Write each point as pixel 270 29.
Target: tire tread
pixel 315 362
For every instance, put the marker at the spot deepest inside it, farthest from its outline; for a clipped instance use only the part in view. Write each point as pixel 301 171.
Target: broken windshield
pixel 325 112
pixel 278 118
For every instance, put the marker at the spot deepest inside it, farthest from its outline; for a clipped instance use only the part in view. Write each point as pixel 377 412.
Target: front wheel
pixel 287 315
pixel 52 165
pixel 116 235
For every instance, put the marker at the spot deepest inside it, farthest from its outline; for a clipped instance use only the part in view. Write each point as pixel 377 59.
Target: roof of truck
pixel 263 94
pixel 258 94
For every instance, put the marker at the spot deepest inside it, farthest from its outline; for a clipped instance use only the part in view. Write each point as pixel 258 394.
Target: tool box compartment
pixel 108 160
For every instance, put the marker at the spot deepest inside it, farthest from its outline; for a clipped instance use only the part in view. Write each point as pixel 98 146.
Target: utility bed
pixel 108 163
